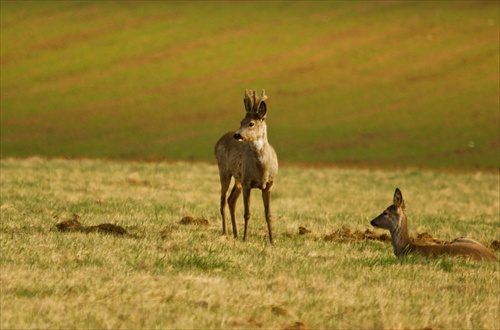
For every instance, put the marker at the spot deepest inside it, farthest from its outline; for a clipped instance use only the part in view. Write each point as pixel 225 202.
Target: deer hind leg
pixel 246 201
pixel 233 197
pixel 266 198
pixel 225 181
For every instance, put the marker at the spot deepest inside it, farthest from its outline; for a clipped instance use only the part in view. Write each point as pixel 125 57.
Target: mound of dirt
pixel 73 225
pixel 303 230
pixel 194 221
pixel 278 310
pixel 107 228
pixel 426 238
pixel 495 245
pixel 346 235
pixel 297 326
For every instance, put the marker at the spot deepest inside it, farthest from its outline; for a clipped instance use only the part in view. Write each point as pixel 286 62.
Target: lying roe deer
pixel 394 219
pixel 247 156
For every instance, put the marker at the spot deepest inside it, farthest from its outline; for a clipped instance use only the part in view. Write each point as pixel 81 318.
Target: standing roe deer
pixel 247 156
pixel 394 219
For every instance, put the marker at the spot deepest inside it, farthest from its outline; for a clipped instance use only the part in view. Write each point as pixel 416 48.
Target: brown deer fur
pixel 394 219
pixel 247 156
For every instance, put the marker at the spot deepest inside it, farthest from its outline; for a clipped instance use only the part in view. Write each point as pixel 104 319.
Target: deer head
pixel 392 217
pixel 253 128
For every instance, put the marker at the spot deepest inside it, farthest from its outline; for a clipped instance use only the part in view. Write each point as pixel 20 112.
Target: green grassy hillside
pixel 385 84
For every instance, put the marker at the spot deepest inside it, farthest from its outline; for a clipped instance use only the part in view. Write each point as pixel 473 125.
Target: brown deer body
pixel 394 219
pixel 247 156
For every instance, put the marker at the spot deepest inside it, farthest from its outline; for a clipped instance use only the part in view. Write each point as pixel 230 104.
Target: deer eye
pixel 251 124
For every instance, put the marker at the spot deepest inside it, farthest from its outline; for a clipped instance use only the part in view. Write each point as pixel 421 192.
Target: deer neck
pixel 260 145
pixel 399 235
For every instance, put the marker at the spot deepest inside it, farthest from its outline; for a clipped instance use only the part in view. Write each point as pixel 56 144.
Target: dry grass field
pixel 172 274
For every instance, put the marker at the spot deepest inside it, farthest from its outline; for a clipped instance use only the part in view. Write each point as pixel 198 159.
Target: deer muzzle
pixel 238 137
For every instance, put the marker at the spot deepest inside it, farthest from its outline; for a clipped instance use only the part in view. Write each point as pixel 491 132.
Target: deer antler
pixel 251 101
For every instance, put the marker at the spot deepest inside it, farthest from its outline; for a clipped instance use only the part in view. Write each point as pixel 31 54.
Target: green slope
pixel 383 84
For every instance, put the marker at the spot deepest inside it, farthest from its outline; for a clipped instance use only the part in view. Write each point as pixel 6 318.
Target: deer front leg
pixel 266 198
pixel 224 186
pixel 246 201
pixel 233 197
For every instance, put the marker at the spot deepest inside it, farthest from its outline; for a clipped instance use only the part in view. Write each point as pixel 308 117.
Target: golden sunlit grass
pixel 170 275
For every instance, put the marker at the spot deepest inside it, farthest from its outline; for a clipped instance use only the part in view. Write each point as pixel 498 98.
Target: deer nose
pixel 238 136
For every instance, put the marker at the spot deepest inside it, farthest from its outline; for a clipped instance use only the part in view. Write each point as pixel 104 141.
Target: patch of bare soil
pixel 495 245
pixel 346 235
pixel 168 230
pixel 248 324
pixel 303 230
pixel 107 228
pixel 278 310
pixel 194 221
pixel 73 225
pixel 297 326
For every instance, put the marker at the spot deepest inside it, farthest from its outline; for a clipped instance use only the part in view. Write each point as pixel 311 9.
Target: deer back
pixel 462 248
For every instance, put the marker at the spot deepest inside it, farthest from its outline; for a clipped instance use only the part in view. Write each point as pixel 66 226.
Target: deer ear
pixel 398 198
pixel 262 110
